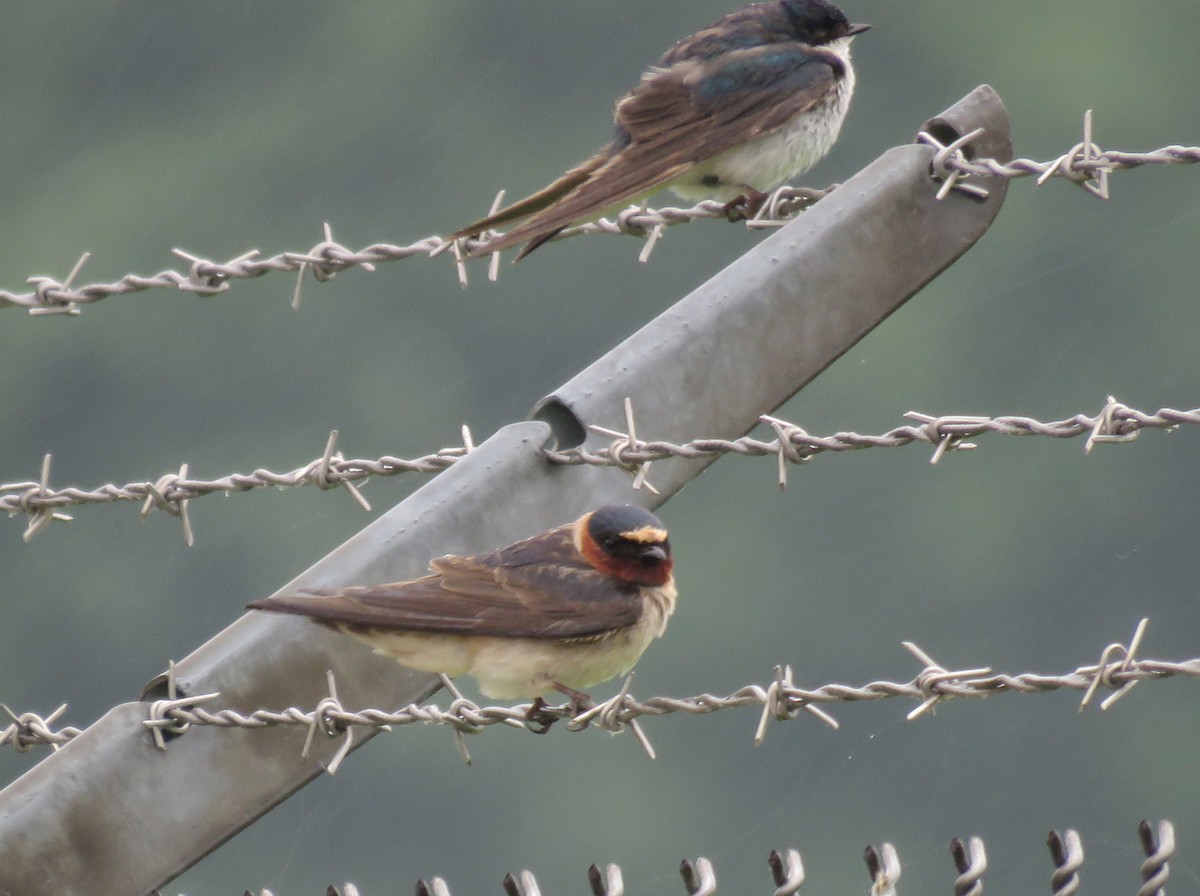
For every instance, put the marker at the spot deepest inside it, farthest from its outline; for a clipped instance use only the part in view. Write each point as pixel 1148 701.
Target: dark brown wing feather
pixel 538 588
pixel 685 114
pixel 543 198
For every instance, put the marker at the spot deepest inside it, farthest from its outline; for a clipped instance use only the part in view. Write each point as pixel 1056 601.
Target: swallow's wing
pixel 697 109
pixel 687 113
pixel 545 591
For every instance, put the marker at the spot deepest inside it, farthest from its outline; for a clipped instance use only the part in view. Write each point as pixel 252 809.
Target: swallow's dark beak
pixel 857 29
pixel 654 552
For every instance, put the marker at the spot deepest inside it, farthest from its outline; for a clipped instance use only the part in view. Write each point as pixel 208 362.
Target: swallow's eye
pixel 610 544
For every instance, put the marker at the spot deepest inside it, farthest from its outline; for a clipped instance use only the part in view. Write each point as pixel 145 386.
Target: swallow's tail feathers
pixel 540 200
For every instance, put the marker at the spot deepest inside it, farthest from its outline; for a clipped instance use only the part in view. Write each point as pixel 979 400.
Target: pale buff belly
pixel 770 161
pixel 525 667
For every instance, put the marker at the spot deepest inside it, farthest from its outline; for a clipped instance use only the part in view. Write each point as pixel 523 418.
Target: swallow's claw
pixel 746 206
pixel 580 702
pixel 539 717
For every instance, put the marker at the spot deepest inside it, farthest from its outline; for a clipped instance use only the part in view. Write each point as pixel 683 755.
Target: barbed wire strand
pixel 1085 164
pixel 787 870
pixel 1117 671
pixel 172 491
pixel 1115 422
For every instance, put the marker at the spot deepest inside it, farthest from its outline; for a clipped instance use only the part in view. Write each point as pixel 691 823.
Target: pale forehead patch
pixel 646 535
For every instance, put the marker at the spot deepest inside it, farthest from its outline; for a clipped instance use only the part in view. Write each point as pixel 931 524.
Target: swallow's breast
pixel 777 158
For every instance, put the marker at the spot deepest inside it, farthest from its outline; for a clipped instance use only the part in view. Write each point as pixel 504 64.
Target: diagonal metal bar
pixel 111 812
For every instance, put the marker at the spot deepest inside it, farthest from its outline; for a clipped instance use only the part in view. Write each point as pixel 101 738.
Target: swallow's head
pixel 818 22
pixel 627 542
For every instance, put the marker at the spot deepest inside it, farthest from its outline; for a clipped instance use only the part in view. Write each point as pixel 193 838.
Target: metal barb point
pixel 45 286
pixel 321 260
pixel 787 870
pixel 1105 669
pixel 163 718
pixel 947 432
pixel 608 715
pixel 28 728
pixel 949 165
pixel 299 287
pixel 699 879
pixel 883 866
pixel 43 516
pixel 156 499
pixel 323 718
pixel 652 239
pixel 786 450
pixel 627 441
pixel 1107 427
pixel 523 884
pixel 780 701
pixel 494 259
pixel 457 707
pixel 435 887
pixel 1066 849
pixel 1083 164
pixel 460 264
pixel 206 277
pixel 322 473
pixel 970 860
pixel 1155 869
pixel 606 883
pixel 932 678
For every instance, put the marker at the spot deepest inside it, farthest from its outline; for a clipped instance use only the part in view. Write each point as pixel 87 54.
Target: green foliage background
pixel 132 128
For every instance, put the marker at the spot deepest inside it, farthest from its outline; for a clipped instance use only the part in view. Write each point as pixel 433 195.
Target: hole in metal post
pixel 158 688
pixel 567 431
pixel 945 133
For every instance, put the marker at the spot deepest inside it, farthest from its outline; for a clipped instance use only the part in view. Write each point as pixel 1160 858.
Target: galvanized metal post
pixel 111 813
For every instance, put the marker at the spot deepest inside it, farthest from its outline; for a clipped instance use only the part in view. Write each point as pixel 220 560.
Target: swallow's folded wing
pixel 685 114
pixel 480 596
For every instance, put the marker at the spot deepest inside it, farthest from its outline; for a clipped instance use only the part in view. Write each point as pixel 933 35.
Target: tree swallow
pixel 735 110
pixel 563 610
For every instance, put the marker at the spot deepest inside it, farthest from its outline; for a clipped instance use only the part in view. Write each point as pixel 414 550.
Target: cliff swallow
pixel 732 111
pixel 563 610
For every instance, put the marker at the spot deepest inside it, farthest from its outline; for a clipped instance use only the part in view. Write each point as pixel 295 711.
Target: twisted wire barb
pixel 1116 422
pixel 883 866
pixel 1085 164
pixel 172 491
pixel 782 700
pixel 970 860
pixel 1066 849
pixel 610 882
pixel 1155 869
pixel 787 870
pixel 28 729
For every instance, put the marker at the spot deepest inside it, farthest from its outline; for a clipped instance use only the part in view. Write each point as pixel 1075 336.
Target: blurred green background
pixel 133 128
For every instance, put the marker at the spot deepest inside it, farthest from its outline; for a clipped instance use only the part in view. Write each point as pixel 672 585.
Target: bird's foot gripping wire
pixel 541 715
pixel 745 206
